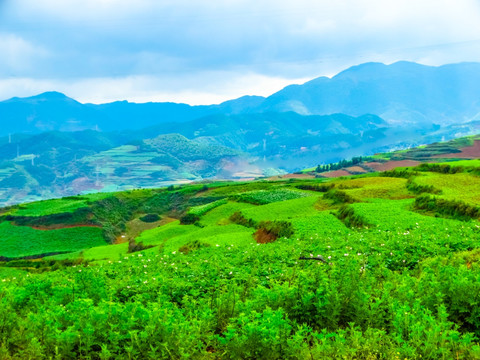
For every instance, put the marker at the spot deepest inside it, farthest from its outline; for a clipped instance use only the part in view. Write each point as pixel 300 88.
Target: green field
pixel 396 281
pixel 19 241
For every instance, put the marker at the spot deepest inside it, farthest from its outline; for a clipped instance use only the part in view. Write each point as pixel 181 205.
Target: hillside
pixel 463 148
pixel 382 265
pixel 55 164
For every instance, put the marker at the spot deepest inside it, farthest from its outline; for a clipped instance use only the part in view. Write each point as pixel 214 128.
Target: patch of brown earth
pixel 390 165
pixel 468 152
pixel 336 173
pixel 298 176
pixel 356 170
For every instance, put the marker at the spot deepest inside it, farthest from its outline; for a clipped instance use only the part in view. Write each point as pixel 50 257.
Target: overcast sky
pixel 203 52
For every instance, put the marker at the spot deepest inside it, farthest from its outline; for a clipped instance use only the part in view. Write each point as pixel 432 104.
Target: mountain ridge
pixel 403 90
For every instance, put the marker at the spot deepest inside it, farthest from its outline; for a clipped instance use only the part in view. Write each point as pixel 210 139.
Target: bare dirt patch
pixel 298 176
pixel 356 170
pixel 336 173
pixel 468 152
pixel 390 165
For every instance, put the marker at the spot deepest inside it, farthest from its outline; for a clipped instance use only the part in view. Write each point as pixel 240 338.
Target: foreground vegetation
pixel 382 266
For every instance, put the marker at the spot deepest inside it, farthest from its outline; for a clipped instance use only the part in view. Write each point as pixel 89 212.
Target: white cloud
pixel 17 54
pixel 185 46
pixel 205 88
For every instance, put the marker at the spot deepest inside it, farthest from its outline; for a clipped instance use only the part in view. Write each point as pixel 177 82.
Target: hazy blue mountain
pixel 402 92
pixel 52 111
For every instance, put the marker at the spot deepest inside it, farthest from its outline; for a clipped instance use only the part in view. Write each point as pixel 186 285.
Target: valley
pixel 215 268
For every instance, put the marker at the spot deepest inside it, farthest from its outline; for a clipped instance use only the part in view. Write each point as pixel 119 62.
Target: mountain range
pixel 53 145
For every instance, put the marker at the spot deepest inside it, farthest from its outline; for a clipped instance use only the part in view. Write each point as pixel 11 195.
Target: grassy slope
pixel 402 286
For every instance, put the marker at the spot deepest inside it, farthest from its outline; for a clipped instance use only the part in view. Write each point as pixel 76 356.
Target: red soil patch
pixel 469 152
pixel 298 176
pixel 61 226
pixel 389 165
pixel 356 169
pixel 336 173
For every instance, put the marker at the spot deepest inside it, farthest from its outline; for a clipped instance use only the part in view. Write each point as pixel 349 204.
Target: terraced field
pixel 359 267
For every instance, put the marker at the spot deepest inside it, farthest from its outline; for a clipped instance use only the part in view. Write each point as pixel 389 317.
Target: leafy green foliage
pixel 269 231
pixel 316 187
pixel 262 197
pixel 342 164
pixel 339 197
pixel 451 208
pixel 238 218
pixel 419 189
pixel 397 283
pixel 189 219
pixel 149 218
pixel 21 241
pixel 350 218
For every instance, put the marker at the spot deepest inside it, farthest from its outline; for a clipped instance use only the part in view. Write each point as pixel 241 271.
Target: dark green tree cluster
pixel 316 187
pixel 341 164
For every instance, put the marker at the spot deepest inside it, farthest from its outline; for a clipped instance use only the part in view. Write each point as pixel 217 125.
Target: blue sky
pixel 203 52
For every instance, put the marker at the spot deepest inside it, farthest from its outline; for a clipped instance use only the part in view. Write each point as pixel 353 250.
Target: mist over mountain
pixel 53 145
pixel 402 93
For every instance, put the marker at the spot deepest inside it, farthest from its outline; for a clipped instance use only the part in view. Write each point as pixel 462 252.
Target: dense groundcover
pixel 379 267
pixel 252 302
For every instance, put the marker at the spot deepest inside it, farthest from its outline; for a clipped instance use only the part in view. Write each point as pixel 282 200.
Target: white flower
pixel 345 254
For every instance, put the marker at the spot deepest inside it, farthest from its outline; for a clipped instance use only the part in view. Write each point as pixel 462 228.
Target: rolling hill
pixel 378 265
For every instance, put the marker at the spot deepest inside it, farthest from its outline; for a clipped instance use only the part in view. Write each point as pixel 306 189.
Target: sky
pixel 205 52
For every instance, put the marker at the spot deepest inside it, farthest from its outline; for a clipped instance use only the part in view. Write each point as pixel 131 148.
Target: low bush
pixel 189 219
pixel 347 215
pixel 238 218
pixel 419 189
pixel 149 218
pixel 269 231
pixel 316 187
pixel 449 208
pixel 339 197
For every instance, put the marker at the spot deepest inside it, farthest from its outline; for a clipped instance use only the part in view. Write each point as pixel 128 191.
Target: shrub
pixel 316 187
pixel 419 189
pixel 440 168
pixel 238 218
pixel 347 215
pixel 134 246
pixel 450 208
pixel 339 197
pixel 269 231
pixel 189 219
pixel 192 245
pixel 149 218
pixel 403 173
